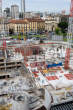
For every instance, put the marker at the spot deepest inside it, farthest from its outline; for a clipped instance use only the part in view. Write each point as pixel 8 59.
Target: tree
pixel 63 26
pixel 57 31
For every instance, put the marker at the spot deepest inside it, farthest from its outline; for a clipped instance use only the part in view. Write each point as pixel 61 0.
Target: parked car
pixel 34 40
pixel 44 40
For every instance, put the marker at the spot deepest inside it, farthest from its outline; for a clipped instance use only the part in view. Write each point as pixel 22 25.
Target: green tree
pixel 57 31
pixel 63 26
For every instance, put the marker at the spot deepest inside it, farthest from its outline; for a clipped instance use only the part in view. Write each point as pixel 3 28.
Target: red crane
pixel 71 9
pixel 67 58
pixel 4 44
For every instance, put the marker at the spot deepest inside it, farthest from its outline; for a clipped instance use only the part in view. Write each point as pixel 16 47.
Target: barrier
pixel 37 64
pixel 54 65
pixel 35 73
pixel 69 76
pixel 52 77
pixel 33 65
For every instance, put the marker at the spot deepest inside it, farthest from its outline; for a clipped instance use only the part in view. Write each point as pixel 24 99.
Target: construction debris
pixel 35 76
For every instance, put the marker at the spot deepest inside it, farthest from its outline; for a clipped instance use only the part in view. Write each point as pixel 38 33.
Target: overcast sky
pixel 41 5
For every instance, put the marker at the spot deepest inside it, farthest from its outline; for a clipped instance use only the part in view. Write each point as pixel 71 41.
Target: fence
pixel 57 38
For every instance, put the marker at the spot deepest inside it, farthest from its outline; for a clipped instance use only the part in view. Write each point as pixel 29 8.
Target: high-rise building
pixel 23 7
pixel 70 26
pixel 15 11
pixel 7 12
pixel 0 8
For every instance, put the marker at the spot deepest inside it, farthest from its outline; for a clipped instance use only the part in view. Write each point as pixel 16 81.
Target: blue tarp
pixel 54 65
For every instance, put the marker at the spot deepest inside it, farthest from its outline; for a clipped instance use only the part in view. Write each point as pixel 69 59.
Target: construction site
pixel 35 77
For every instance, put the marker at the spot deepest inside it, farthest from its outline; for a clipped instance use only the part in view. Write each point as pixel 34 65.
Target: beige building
pixel 26 25
pixel 3 26
pixel 51 22
pixel 50 25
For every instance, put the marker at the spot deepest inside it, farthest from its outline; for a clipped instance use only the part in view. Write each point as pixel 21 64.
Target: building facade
pixel 0 8
pixel 33 14
pixel 70 26
pixel 22 9
pixel 27 25
pixel 7 12
pixel 23 6
pixel 64 18
pixel 3 26
pixel 51 23
pixel 15 11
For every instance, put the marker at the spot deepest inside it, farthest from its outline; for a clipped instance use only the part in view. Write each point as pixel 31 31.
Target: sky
pixel 41 5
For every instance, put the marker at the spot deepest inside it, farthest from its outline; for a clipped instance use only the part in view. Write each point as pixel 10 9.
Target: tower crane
pixel 67 56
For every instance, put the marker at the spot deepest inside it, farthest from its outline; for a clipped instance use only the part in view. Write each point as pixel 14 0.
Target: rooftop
pixel 25 21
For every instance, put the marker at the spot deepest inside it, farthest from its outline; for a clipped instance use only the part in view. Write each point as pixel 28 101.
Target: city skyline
pixel 41 5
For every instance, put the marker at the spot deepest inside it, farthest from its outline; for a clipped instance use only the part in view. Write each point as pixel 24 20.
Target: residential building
pixel 15 11
pixel 3 25
pixel 51 23
pixel 70 26
pixel 27 25
pixel 36 25
pixel 64 18
pixel 33 14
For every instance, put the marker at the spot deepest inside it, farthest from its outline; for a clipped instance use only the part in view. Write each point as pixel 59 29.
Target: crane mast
pixel 70 36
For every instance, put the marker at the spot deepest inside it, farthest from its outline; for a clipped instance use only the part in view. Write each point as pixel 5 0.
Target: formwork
pixel 47 68
pixel 44 64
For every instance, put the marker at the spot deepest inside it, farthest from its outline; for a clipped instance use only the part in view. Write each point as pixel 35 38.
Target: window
pixel 17 28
